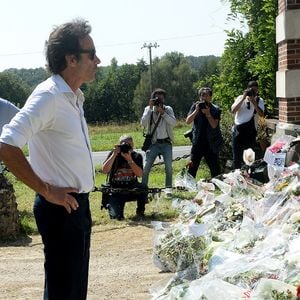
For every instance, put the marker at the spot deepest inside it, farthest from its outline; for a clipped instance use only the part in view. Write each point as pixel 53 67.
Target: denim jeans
pixel 164 149
pixel 66 239
pixel 117 202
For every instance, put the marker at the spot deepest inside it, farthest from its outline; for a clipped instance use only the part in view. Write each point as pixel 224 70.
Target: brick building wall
pixel 288 75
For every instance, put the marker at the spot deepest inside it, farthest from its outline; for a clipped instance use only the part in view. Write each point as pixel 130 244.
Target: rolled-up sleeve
pixel 36 115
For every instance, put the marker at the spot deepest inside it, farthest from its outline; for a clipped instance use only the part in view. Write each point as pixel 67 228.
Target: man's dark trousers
pixel 66 239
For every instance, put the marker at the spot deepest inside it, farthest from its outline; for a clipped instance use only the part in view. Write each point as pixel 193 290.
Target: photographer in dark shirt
pixel 124 166
pixel 207 139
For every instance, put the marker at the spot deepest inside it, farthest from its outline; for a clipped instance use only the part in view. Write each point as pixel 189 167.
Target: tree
pixel 111 98
pixel 173 73
pixel 251 55
pixel 30 76
pixel 13 88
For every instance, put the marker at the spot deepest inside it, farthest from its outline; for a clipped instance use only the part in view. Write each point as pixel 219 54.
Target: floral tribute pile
pixel 234 240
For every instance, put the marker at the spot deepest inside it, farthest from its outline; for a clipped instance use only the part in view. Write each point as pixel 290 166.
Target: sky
pixel 120 28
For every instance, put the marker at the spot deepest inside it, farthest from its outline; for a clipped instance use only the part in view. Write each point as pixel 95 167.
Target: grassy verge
pixel 102 137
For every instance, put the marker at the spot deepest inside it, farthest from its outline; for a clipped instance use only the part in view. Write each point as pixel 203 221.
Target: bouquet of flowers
pixel 177 249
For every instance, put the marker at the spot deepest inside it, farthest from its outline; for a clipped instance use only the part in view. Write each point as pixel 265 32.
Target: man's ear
pixel 71 60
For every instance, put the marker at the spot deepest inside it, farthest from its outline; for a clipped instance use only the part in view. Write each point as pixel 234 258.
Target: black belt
pixel 162 141
pixel 79 196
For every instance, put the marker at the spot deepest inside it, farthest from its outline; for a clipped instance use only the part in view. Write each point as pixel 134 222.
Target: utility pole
pixel 149 46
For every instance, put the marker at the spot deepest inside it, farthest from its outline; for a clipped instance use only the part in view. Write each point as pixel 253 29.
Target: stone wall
pixel 9 216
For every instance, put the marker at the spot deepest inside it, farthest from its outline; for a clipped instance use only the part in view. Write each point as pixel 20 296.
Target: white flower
pixel 295 217
pixel 249 157
pixel 287 228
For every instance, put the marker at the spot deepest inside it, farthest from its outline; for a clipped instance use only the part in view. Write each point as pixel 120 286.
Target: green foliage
pixel 32 77
pixel 235 72
pixel 13 88
pixel 226 125
pixel 249 56
pixel 173 73
pixel 110 99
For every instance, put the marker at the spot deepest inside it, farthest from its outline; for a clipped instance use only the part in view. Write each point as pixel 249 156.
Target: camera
pixel 202 105
pixel 124 147
pixel 250 92
pixel 156 101
pixel 189 134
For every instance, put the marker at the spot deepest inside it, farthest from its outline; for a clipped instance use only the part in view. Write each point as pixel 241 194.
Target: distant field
pixel 102 137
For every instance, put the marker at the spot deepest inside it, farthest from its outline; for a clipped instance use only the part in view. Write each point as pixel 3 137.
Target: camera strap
pixel 156 124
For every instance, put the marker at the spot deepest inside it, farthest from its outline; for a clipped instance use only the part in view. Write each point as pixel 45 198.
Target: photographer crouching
pixel 123 166
pixel 207 139
pixel 246 108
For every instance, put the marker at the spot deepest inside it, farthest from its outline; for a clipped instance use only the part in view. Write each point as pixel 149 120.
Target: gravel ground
pixel 121 265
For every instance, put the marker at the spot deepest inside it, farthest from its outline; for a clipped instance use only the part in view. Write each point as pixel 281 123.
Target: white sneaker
pixel 168 192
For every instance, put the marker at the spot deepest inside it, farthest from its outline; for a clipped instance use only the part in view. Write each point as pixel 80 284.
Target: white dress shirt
pixel 52 122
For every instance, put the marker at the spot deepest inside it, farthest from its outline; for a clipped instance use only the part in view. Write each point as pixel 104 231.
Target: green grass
pixel 102 138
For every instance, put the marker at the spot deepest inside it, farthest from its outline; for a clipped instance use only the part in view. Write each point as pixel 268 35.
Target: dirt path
pixel 120 267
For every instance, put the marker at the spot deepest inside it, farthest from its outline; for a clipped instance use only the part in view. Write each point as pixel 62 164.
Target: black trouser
pixel 199 151
pixel 66 239
pixel 117 201
pixel 241 142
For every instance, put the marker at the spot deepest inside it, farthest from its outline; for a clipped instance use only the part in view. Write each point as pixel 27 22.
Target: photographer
pixel 157 113
pixel 207 139
pixel 246 107
pixel 124 166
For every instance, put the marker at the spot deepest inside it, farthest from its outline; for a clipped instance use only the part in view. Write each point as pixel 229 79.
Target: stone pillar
pixel 9 216
pixel 288 74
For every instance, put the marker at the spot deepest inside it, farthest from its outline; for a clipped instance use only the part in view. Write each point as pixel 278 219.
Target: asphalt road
pixel 99 157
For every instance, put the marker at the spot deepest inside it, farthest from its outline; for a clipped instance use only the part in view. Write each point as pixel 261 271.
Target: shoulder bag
pixel 148 136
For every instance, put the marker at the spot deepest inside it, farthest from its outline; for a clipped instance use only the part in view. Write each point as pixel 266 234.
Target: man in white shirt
pixel 245 109
pixel 61 170
pixel 7 112
pixel 162 115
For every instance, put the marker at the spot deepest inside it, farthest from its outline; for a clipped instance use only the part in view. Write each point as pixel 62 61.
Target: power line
pixel 124 43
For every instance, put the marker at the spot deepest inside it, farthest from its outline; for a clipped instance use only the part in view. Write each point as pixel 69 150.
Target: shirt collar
pixel 63 87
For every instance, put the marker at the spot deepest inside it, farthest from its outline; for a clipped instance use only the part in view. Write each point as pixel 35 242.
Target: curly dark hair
pixel 64 40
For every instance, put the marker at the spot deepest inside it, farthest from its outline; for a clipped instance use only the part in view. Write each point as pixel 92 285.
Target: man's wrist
pixel 130 162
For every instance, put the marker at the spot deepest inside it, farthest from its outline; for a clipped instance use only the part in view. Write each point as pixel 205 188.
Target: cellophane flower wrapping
pixel 251 242
pixel 179 247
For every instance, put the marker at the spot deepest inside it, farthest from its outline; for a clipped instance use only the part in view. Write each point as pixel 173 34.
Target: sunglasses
pixel 91 52
pixel 248 104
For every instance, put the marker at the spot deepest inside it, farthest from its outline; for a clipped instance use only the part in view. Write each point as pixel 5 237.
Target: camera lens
pixel 250 92
pixel 124 148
